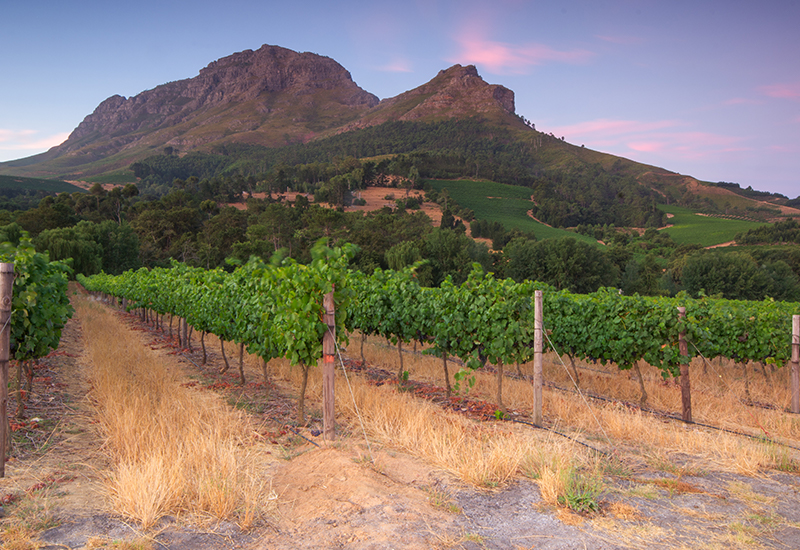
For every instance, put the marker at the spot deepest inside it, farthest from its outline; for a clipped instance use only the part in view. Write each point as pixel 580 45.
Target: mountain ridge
pixel 255 83
pixel 272 96
pixel 275 97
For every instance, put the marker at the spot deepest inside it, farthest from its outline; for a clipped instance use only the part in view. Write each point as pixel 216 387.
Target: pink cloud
pixel 504 58
pixel 782 91
pixel 610 127
pixel 13 135
pixel 741 101
pixel 399 65
pixel 665 138
pixel 647 146
pixel 25 140
pixel 784 148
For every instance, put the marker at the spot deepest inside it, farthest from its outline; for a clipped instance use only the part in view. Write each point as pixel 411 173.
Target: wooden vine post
pixel 796 363
pixel 328 357
pixel 686 387
pixel 538 340
pixel 6 290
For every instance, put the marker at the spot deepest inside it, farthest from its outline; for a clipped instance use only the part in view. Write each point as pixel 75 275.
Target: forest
pixel 218 222
pixel 566 195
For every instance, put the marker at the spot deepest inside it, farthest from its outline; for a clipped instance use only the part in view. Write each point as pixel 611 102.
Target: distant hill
pixel 250 111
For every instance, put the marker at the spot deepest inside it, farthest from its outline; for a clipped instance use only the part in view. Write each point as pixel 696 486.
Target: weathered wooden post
pixel 328 374
pixel 538 340
pixel 686 387
pixel 6 295
pixel 796 363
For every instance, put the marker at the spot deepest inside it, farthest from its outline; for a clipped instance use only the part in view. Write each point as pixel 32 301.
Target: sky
pixel 709 89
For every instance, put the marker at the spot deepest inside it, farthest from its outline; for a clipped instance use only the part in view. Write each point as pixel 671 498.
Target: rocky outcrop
pixel 242 86
pixel 271 97
pixel 453 93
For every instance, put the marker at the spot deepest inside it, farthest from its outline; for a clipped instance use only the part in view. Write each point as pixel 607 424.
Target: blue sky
pixel 709 89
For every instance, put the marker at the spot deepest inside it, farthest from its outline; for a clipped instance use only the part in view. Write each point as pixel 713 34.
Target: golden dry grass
pixel 175 449
pixel 489 455
pixel 484 455
pixel 720 388
pixel 718 396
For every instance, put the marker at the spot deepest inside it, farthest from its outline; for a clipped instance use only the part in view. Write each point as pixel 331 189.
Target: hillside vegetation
pixel 18 183
pixel 691 227
pixel 506 204
pixel 254 113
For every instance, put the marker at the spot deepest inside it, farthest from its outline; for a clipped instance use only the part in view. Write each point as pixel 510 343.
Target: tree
pixel 451 254
pixel 564 263
pixel 70 243
pixel 641 277
pixel 734 275
pixel 402 255
pixel 119 242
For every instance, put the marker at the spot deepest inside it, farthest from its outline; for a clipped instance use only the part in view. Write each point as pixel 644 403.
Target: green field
pixel 37 184
pixel 499 202
pixel 689 227
pixel 117 177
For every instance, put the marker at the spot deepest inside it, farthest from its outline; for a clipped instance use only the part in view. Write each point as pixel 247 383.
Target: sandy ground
pixel 376 198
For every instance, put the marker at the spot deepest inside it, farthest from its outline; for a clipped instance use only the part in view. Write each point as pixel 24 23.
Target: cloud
pixel 504 58
pixel 672 139
pixel 610 127
pixel 741 101
pixel 784 148
pixel 12 135
pixel 26 140
pixel 782 91
pixel 398 65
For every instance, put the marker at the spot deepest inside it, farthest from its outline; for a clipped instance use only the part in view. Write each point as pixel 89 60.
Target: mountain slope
pixel 271 96
pixel 457 92
pixel 276 99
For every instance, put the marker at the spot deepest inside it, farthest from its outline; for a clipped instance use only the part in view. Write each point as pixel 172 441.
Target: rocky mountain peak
pixel 271 96
pixel 248 84
pixel 454 92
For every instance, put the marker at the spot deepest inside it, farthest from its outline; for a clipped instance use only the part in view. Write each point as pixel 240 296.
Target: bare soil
pixel 333 496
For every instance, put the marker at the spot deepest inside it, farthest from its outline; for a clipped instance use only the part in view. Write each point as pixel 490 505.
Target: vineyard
pixel 434 372
pixel 33 311
pixel 274 310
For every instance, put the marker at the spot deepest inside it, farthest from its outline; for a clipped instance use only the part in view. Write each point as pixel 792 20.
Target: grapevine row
pixel 40 305
pixel 274 310
pixel 39 309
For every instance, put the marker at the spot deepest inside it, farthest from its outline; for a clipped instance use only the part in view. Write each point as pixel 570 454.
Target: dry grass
pixel 175 449
pixel 484 455
pixel 26 519
pixel 488 455
pixel 717 400
pixel 720 388
pixel 478 454
pixel 623 511
pixel 98 543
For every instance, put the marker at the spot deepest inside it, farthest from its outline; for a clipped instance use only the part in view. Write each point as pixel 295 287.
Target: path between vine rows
pixel 327 497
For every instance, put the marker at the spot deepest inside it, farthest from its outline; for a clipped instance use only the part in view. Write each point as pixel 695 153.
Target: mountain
pixel 457 92
pixel 276 98
pixel 271 96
